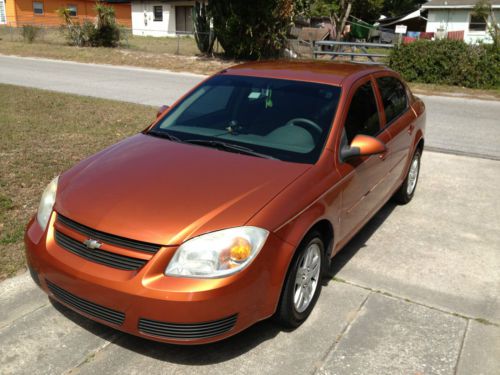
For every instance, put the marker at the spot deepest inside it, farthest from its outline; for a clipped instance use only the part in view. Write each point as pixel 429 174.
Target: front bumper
pixel 149 304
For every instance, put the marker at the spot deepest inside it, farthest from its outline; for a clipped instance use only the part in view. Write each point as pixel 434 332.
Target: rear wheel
pixel 407 190
pixel 303 283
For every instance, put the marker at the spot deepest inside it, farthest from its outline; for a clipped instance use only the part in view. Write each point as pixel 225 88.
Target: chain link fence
pixel 145 40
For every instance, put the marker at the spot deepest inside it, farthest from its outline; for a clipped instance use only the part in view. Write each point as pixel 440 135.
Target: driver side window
pixel 363 117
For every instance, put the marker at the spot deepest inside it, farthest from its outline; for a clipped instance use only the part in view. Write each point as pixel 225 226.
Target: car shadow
pixel 232 347
pixel 359 240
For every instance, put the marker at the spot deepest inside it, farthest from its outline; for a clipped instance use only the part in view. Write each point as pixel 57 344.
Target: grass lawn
pixel 42 134
pixel 176 54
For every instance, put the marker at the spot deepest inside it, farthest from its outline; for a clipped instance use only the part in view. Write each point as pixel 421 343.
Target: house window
pixel 158 13
pixel 37 7
pixel 72 10
pixel 477 23
pixel 184 19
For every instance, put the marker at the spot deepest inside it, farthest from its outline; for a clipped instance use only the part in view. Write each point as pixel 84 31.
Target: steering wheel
pixel 307 124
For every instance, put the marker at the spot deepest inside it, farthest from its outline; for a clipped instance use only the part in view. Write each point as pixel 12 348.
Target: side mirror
pixel 162 109
pixel 362 145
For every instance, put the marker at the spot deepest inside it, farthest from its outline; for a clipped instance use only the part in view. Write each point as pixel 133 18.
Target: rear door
pixel 399 121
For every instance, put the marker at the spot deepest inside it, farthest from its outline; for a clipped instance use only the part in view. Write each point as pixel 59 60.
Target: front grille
pixel 106 258
pixel 109 238
pixel 187 331
pixel 90 308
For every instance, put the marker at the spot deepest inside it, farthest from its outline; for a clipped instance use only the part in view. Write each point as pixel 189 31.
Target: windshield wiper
pixel 228 147
pixel 160 134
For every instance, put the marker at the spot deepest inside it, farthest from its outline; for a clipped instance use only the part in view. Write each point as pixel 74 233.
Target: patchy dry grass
pixel 176 54
pixel 42 134
pixel 117 56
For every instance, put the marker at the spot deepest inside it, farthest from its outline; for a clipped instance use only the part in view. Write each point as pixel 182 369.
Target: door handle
pixel 383 156
pixel 410 129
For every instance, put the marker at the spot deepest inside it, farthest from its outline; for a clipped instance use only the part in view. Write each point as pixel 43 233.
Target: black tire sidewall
pixel 288 314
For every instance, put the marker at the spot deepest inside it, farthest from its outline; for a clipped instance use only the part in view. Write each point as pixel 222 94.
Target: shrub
pixel 254 29
pixel 448 62
pixel 30 33
pixel 105 32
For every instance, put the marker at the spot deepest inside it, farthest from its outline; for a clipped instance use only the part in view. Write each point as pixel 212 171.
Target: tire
pixel 407 190
pixel 291 312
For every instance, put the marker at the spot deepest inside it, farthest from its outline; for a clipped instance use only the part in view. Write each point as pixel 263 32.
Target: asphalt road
pixel 416 292
pixel 458 125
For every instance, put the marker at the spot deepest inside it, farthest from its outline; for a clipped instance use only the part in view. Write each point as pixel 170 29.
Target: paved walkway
pixel 416 292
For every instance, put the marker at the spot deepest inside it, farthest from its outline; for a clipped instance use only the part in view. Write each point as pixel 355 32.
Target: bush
pixel 252 31
pixel 448 62
pixel 30 33
pixel 104 33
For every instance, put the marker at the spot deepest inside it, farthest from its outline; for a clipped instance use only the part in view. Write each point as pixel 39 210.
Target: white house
pixel 162 18
pixel 456 15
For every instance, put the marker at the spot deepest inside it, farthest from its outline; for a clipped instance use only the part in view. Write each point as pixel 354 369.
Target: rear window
pixel 393 96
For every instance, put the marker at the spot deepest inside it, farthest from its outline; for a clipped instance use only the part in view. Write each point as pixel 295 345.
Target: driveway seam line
pixel 89 357
pixel 8 324
pixel 462 344
pixel 339 337
pixel 405 299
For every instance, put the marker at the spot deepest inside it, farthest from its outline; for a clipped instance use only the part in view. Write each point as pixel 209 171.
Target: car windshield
pixel 281 119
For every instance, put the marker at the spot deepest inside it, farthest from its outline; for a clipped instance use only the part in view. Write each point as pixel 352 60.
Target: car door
pixel 364 178
pixel 399 121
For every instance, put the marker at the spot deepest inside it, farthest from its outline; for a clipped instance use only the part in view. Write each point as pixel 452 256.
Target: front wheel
pixel 303 283
pixel 407 190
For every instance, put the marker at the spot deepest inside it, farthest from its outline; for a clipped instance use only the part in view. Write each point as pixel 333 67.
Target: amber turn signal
pixel 241 250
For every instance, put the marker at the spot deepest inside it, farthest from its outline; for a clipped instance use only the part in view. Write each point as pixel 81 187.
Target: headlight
pixel 217 254
pixel 47 203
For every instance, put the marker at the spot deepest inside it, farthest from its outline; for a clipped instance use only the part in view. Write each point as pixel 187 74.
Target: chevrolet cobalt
pixel 230 207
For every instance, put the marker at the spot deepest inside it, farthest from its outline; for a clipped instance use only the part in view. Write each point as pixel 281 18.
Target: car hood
pixel 154 190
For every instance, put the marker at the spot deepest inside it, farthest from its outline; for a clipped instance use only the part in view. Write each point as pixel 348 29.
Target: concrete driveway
pixel 416 292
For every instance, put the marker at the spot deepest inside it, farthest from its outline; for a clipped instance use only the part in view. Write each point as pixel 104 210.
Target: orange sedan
pixel 229 208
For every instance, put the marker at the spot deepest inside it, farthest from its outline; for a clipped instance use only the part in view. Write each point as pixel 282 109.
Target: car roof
pixel 333 73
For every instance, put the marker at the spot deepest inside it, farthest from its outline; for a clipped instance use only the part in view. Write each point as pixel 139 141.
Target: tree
pixel 484 9
pixel 337 10
pixel 202 30
pixel 367 10
pixel 252 30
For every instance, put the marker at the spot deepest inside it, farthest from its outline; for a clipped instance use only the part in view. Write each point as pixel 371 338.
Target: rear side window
pixel 362 117
pixel 393 96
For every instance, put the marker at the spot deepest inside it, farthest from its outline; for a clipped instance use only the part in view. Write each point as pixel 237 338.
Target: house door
pixel 184 19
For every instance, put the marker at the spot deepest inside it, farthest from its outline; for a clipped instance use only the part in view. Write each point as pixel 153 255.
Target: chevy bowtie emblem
pixel 92 244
